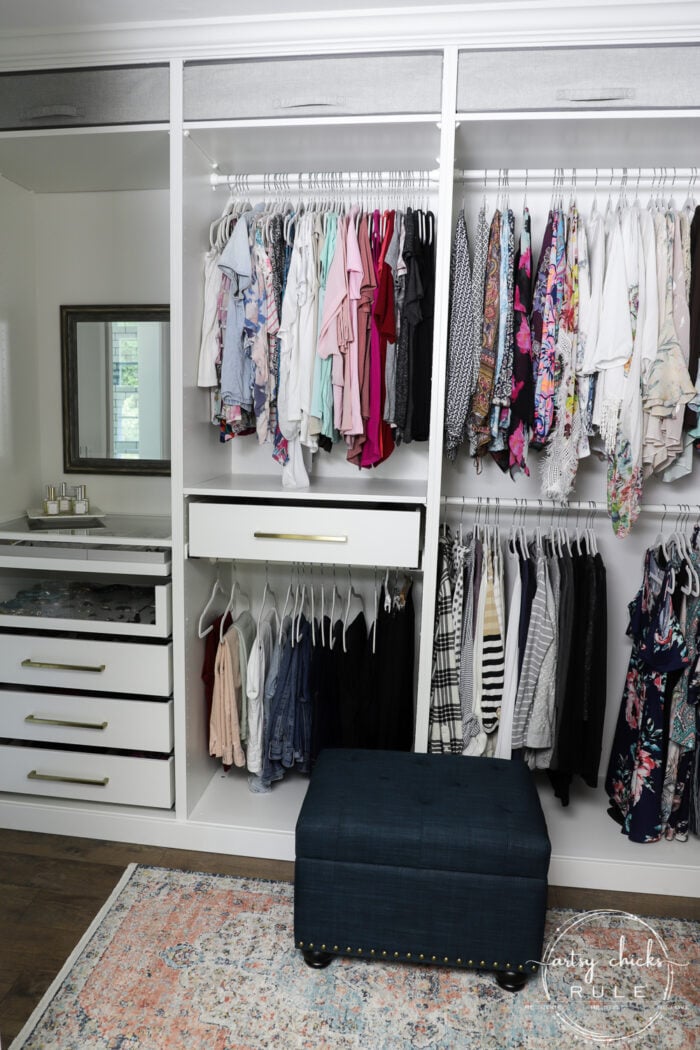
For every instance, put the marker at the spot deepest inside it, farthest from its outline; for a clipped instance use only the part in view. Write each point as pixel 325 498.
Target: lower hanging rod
pixel 662 177
pixel 536 505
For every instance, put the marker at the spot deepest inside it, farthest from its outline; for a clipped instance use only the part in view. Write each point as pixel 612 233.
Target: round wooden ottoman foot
pixel 317 960
pixel 511 982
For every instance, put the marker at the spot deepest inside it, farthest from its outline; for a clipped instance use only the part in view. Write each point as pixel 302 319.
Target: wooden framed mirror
pixel 115 375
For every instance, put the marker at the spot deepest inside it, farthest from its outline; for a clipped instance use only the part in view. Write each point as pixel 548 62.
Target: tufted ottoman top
pixel 449 812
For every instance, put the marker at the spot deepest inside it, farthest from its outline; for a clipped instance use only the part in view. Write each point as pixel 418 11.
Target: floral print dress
pixel 522 387
pixel 635 777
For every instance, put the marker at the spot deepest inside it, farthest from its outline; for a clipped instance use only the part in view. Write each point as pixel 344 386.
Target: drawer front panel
pixel 338 85
pixel 579 78
pixel 86 663
pixel 94 721
pixel 140 603
pixel 90 777
pixel 84 97
pixel 314 535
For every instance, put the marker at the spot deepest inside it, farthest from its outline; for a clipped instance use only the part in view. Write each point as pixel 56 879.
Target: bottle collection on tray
pixel 65 502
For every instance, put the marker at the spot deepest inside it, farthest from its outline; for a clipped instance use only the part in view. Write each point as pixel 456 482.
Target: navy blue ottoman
pixel 422 858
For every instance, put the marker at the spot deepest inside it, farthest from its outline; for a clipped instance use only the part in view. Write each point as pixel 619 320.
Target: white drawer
pixel 84 611
pixel 90 776
pixel 317 85
pixel 86 663
pixel 95 721
pixel 45 555
pixel 311 534
pixel 579 78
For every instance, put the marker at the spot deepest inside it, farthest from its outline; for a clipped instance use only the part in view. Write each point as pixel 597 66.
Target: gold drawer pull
pixel 299 536
pixel 64 722
pixel 98 782
pixel 63 667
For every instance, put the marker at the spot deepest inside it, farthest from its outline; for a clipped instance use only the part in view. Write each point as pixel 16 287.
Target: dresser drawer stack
pixel 86 678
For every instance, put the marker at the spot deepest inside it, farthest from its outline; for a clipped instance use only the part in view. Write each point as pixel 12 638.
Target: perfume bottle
pixel 50 501
pixel 81 504
pixel 64 501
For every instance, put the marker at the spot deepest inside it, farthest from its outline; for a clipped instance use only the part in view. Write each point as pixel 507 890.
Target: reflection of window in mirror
pixel 123 368
pixel 116 389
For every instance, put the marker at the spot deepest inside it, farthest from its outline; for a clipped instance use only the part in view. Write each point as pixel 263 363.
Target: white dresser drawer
pixel 61 602
pixel 95 721
pixel 86 663
pixel 89 776
pixel 310 534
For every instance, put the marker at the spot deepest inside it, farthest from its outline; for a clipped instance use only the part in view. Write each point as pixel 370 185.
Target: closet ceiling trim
pixel 469 25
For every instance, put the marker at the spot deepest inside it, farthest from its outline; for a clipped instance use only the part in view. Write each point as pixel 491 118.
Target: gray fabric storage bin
pixel 579 78
pixel 319 85
pixel 85 97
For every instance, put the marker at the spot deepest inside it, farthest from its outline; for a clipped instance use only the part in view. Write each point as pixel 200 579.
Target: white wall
pixel 19 411
pixel 95 248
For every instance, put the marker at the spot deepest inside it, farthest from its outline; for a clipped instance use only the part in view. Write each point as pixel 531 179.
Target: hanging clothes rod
pixel 509 178
pixel 327 182
pixel 536 506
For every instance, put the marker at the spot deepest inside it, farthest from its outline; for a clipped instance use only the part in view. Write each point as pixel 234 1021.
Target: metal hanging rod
pixel 536 506
pixel 661 178
pixel 328 182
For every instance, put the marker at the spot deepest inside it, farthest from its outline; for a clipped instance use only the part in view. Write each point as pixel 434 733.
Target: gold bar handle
pixel 34 720
pixel 63 667
pixel 98 782
pixel 299 536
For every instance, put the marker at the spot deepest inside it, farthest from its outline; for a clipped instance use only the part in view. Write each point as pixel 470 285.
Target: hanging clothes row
pixel 593 350
pixel 317 674
pixel 317 328
pixel 519 668
pixel 653 778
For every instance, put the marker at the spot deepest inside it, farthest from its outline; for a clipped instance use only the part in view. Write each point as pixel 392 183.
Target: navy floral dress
pixel 635 777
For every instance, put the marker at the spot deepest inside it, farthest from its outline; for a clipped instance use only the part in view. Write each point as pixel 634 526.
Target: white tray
pixel 37 514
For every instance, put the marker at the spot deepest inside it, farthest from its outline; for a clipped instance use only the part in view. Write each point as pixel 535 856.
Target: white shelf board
pixel 366 489
pixel 228 819
pixel 590 851
pixel 614 138
pixel 127 530
pixel 228 802
pixel 82 560
pixel 305 145
pixel 87 160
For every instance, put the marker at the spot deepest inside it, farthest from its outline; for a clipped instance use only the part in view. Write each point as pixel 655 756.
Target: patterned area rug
pixel 183 960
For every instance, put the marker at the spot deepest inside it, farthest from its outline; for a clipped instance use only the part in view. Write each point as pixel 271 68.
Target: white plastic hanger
pixel 267 593
pixel 376 611
pixel 313 612
pixel 352 593
pixel 297 595
pixel 303 599
pixel 335 596
pixel 286 600
pixel 323 609
pixel 692 587
pixel 202 631
pixel 387 592
pixel 230 605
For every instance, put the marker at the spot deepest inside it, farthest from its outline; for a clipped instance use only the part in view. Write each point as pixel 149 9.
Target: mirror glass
pixel 116 389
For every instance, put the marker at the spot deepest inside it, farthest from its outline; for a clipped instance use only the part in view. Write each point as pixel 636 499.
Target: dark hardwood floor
pixel 51 887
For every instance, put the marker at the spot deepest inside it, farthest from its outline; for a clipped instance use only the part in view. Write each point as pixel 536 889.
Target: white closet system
pixel 459 106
